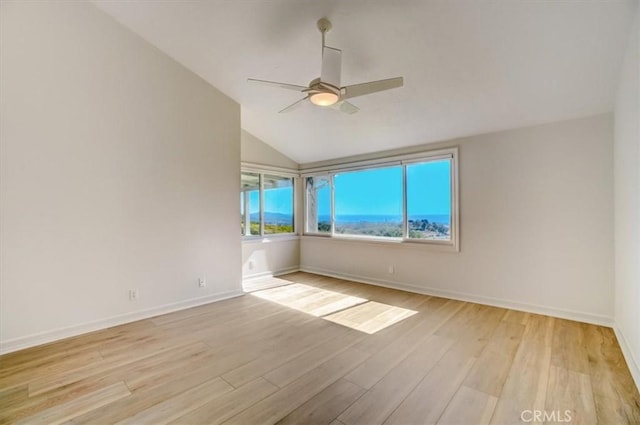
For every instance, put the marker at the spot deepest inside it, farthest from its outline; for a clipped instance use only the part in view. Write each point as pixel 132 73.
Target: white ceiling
pixel 469 66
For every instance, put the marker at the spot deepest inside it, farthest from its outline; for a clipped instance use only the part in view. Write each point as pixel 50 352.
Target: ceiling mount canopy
pixel 327 90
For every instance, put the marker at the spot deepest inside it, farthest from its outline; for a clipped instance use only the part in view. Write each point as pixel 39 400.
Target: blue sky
pixel 377 191
pixel 279 200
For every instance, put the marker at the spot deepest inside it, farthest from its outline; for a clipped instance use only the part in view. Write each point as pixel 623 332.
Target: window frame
pixel 303 179
pixel 275 172
pixel 399 160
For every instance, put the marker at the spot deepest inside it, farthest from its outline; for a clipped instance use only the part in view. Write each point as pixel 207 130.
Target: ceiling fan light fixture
pixel 324 98
pixel 327 90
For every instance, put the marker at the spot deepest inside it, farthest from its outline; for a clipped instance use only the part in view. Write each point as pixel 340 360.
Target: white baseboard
pixel 20 343
pixel 478 299
pixel 632 364
pixel 267 274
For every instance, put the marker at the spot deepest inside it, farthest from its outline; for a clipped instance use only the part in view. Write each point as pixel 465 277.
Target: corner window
pixel 266 204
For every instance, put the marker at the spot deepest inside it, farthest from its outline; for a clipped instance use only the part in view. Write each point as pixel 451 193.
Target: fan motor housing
pixel 316 85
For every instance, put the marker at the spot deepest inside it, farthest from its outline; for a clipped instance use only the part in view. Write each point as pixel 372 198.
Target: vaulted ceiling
pixel 469 66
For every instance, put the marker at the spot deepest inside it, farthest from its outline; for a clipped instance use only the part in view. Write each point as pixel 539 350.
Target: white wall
pixel 627 205
pixel 256 151
pixel 119 170
pixel 270 257
pixel 273 255
pixel 536 216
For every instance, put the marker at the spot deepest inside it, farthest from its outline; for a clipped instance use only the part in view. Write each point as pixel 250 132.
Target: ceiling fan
pixel 326 90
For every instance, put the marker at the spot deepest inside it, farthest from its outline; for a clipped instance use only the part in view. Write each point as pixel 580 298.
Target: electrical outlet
pixel 392 269
pixel 251 264
pixel 202 282
pixel 133 294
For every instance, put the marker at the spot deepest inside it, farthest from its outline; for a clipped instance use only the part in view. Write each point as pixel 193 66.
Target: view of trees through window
pixel 379 202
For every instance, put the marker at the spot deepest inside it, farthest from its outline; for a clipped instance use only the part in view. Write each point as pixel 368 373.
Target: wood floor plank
pixel 380 401
pixel 218 309
pixel 137 374
pixel 174 407
pixel 172 386
pixel 259 328
pixel 68 346
pixel 616 396
pixel 370 317
pixel 526 385
pixel 469 406
pixel 569 348
pixel 326 405
pixel 438 386
pixel 228 405
pixel 25 372
pixel 284 401
pixel 137 353
pixel 491 369
pixel 264 283
pixel 12 398
pixel 76 407
pixel 378 341
pixel 31 406
pixel 310 359
pixel 516 317
pixel 282 354
pixel 315 301
pixel 378 365
pixel 569 396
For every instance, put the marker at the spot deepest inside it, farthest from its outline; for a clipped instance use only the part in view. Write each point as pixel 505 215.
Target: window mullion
pixel 333 204
pixel 246 215
pixel 405 221
pixel 261 197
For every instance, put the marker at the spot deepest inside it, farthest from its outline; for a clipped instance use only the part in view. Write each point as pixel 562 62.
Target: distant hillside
pixel 273 217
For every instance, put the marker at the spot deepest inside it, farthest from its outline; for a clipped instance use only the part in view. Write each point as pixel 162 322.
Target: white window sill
pixel 270 238
pixel 441 246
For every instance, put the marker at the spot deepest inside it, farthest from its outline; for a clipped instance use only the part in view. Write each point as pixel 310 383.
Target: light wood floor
pixel 325 351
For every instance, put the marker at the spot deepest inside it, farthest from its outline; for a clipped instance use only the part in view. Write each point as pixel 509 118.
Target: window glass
pixel 318 209
pixel 369 202
pixel 278 204
pixel 429 200
pixel 250 203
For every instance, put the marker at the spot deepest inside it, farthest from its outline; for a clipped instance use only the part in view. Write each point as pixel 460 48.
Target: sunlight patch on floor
pixel 346 310
pixel 370 317
pixel 310 300
pixel 264 283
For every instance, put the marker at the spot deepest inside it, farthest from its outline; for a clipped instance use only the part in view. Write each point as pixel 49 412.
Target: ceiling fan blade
pixel 371 87
pixel 331 66
pixel 294 105
pixel 276 84
pixel 346 107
